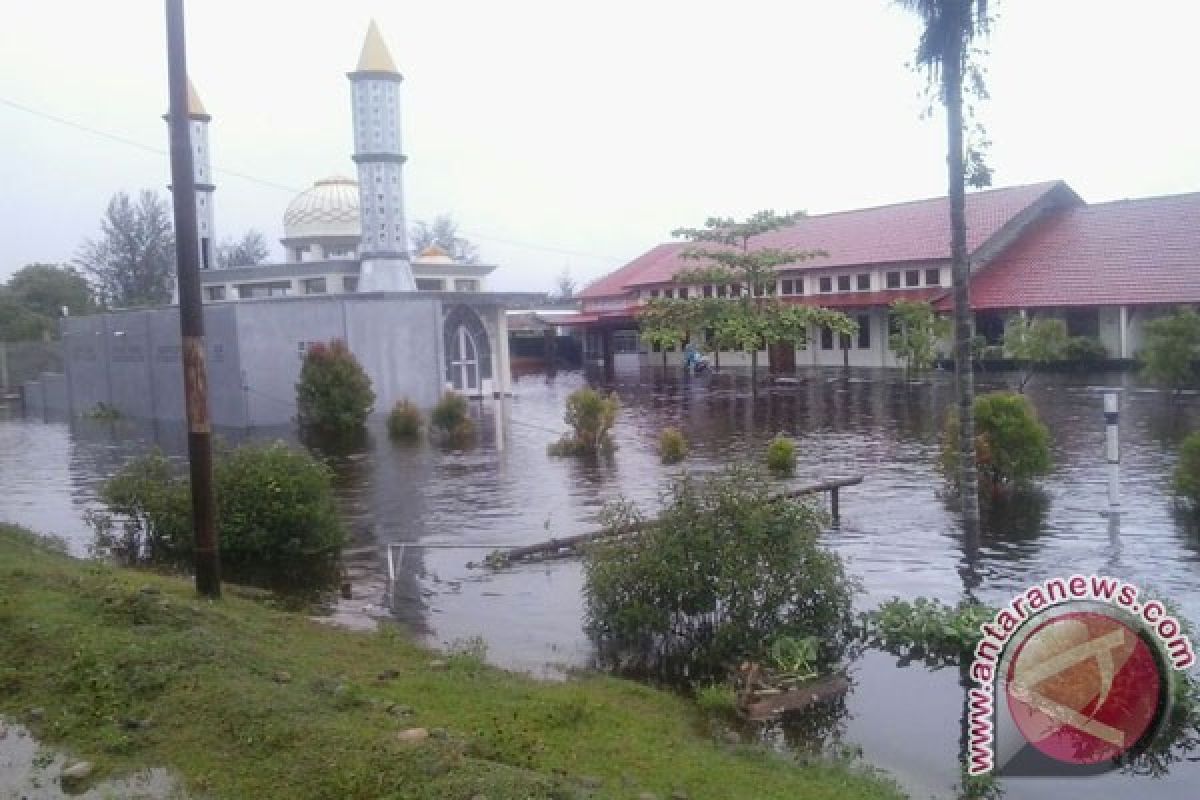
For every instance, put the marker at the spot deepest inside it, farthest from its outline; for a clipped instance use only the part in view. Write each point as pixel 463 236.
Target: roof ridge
pixel 1132 200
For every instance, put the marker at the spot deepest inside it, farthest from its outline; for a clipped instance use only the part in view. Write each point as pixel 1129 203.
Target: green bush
pixel 672 446
pixel 590 416
pixel 1172 345
pixel 1011 446
pixel 404 421
pixel 450 417
pixel 722 573
pixel 1085 350
pixel 928 629
pixel 277 521
pixel 1187 471
pixel 781 455
pixel 334 393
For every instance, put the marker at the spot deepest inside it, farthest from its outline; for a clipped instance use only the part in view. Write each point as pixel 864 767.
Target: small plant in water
pixel 717 699
pixel 940 634
pixel 781 455
pixel 334 394
pixel 795 657
pixel 404 421
pixel 672 447
pixel 1011 446
pixel 103 412
pixel 590 415
pixel 1187 472
pixel 450 417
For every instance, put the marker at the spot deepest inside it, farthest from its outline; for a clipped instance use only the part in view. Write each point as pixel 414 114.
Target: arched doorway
pixel 468 351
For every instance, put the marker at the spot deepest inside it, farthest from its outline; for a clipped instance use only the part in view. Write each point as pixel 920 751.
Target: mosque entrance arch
pixel 468 351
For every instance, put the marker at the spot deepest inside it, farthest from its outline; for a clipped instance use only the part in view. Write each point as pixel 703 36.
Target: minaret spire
pixel 375 89
pixel 198 119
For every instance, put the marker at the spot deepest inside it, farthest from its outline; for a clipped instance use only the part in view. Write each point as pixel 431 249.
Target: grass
pixel 133 670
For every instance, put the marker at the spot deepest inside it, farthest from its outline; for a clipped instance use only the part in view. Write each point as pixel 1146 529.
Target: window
pixel 843 283
pixel 683 292
pixel 466 285
pixel 787 286
pixel 431 284
pixel 625 342
pixel 669 293
pixel 933 277
pixel 893 280
pixel 248 291
pixel 215 293
pixel 844 341
pixel 350 283
pixel 864 282
pixel 826 284
pixel 1083 322
pixel 735 290
pixel 864 331
pixel 826 339
pixel 708 291
pixel 314 286
pixel 654 292
pixel 912 277
pixel 722 291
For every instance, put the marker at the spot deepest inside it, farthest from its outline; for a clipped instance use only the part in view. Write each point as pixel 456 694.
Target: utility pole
pixel 191 314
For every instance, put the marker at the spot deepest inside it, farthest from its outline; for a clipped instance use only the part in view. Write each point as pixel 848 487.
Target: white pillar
pixel 1123 332
pixel 1112 448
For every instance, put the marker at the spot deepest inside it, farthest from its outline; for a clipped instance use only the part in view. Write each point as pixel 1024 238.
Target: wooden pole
pixel 191 314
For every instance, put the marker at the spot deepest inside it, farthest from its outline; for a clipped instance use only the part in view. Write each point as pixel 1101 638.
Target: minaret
pixel 198 120
pixel 376 101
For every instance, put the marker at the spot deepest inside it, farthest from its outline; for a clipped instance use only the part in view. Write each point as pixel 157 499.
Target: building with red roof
pixel 1037 249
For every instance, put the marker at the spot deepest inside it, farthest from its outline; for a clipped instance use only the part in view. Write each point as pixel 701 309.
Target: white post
pixel 1112 448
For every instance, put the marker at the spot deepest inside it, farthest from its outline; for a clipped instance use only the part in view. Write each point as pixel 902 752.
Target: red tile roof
pixel 1131 252
pixel 912 231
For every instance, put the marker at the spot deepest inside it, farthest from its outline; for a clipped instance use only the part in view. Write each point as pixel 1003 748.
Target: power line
pixel 272 184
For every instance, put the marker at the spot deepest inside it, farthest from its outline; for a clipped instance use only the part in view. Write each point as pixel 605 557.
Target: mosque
pixel 341 235
pixel 418 325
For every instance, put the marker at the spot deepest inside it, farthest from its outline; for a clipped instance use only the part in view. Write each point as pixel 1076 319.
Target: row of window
pixel 627 341
pixel 246 291
pixel 439 285
pixel 895 279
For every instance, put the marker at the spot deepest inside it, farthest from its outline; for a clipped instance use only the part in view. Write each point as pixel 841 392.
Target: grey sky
pixel 593 128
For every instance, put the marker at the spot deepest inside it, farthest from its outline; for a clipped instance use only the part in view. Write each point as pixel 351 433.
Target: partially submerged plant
pixel 404 421
pixel 781 455
pixel 795 656
pixel 928 629
pixel 590 415
pixel 450 417
pixel 672 446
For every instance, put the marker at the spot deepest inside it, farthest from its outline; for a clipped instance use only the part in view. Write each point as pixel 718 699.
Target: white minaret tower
pixel 198 120
pixel 376 98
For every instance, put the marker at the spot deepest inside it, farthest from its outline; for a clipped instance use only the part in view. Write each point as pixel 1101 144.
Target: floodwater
pixel 896 533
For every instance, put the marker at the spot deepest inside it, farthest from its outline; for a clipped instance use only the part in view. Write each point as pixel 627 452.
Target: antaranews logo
pixel 1070 676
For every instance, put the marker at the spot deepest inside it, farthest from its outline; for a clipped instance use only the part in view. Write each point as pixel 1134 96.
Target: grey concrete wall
pixel 85 353
pixel 398 340
pixel 33 398
pixel 54 393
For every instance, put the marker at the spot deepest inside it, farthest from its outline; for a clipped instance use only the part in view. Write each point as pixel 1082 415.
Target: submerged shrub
pixel 590 415
pixel 334 393
pixel 404 421
pixel 1085 350
pixel 722 573
pixel 1011 446
pixel 1187 471
pixel 672 446
pixel 450 416
pixel 781 455
pixel 941 634
pixel 276 517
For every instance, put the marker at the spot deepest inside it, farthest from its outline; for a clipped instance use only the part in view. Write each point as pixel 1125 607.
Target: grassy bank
pixel 131 670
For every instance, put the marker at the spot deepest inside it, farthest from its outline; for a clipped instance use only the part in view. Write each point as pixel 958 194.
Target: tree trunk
pixel 952 74
pixel 754 372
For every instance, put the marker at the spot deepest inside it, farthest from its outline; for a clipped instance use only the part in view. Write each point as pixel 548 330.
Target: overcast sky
pixel 564 134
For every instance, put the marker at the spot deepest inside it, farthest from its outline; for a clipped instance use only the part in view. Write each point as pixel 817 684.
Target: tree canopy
pixel 36 296
pixel 133 261
pixel 916 329
pixel 444 233
pixel 249 251
pixel 1171 349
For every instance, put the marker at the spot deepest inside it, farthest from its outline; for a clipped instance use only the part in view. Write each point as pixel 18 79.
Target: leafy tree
pixel 564 285
pixel 249 251
pixel 133 262
pixel 750 317
pixel 20 323
pixel 916 330
pixel 1172 345
pixel 944 52
pixel 444 233
pixel 47 289
pixel 1035 343
pixel 334 394
pixel 590 415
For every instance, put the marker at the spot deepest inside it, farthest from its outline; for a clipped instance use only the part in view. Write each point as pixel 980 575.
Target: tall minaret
pixel 376 97
pixel 198 120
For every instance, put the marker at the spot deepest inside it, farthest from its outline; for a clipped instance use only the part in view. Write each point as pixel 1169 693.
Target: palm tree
pixel 950 27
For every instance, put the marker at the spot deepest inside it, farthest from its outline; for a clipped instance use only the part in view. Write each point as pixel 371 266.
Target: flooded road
pixel 896 533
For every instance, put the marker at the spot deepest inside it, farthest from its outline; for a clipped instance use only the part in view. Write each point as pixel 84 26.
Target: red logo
pixel 1084 688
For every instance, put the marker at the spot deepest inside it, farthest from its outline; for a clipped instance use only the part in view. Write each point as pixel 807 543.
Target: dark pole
pixel 191 315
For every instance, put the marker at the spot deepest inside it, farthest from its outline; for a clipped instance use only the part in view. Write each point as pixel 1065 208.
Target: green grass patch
pixel 132 670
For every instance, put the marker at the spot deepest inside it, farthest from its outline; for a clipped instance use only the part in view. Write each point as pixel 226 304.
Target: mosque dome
pixel 329 208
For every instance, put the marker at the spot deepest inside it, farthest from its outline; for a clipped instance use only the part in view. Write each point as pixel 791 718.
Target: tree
pixel 564 285
pixel 916 330
pixel 1035 343
pixel 133 263
pixel 334 393
pixel 250 251
pixel 944 53
pixel 20 323
pixel 444 233
pixel 750 317
pixel 1172 345
pixel 35 297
